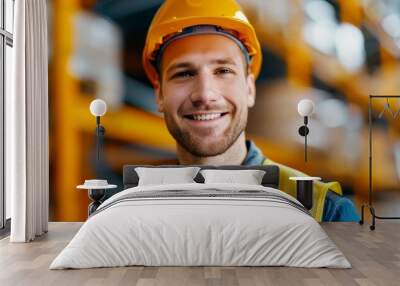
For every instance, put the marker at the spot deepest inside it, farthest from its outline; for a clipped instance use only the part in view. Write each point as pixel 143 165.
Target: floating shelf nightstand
pixel 96 191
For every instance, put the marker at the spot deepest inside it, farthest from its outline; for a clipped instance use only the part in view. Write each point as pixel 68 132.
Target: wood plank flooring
pixel 374 255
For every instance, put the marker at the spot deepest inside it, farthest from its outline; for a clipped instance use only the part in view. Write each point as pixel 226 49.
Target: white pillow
pixel 249 177
pixel 162 176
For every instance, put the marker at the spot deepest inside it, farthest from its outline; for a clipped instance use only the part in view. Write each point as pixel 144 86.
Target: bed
pixel 201 223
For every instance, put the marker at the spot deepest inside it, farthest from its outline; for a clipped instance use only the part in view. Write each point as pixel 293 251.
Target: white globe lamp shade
pixel 305 107
pixel 98 107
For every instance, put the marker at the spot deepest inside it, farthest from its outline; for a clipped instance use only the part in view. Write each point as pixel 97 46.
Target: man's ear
pixel 251 90
pixel 159 96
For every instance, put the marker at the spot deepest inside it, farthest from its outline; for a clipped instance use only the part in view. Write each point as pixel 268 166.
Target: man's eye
pixel 224 71
pixel 183 74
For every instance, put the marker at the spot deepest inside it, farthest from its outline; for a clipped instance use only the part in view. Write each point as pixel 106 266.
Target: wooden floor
pixel 374 255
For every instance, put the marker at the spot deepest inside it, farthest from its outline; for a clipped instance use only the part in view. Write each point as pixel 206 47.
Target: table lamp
pixel 98 108
pixel 304 185
pixel 305 108
pixel 97 187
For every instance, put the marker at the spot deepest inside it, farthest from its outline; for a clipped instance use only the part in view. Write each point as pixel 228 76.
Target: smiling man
pixel 205 93
pixel 202 57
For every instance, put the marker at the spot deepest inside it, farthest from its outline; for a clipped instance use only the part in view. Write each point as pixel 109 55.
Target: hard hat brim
pixel 158 32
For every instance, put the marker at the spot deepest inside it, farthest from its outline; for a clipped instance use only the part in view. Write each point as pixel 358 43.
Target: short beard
pixel 196 146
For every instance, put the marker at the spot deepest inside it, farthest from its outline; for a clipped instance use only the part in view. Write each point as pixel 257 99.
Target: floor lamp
pixel 369 205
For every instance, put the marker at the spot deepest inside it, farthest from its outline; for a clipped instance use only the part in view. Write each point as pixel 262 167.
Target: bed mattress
pixel 201 225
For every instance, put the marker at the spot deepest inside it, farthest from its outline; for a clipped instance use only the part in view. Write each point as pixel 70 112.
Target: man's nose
pixel 205 90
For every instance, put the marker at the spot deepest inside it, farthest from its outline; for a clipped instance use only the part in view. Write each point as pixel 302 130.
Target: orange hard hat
pixel 175 15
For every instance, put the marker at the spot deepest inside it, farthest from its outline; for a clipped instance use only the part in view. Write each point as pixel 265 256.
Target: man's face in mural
pixel 205 92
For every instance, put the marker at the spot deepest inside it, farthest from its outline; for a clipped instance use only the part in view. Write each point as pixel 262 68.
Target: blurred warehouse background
pixel 333 52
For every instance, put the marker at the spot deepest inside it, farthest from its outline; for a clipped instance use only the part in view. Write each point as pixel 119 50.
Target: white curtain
pixel 27 154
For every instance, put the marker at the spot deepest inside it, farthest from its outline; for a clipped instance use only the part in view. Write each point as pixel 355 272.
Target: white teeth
pixel 210 116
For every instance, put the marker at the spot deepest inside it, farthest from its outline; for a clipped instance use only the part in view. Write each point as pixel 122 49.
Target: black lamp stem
pixel 305 148
pixel 98 138
pixel 305 138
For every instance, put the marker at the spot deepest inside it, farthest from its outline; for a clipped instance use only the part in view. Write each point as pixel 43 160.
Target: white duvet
pixel 190 230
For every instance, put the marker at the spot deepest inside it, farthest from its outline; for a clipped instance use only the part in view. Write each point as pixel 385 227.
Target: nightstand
pixel 305 190
pixel 96 192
